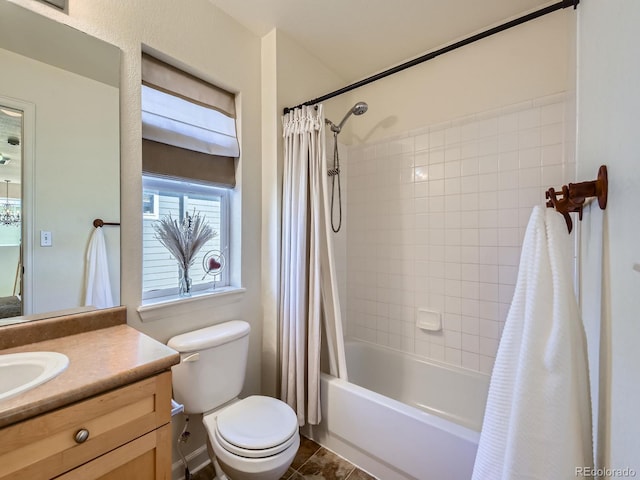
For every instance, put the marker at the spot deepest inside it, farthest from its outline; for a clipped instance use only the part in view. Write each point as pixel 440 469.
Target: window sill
pixel 163 307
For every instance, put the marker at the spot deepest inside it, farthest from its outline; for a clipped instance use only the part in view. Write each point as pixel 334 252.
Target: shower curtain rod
pixel 479 36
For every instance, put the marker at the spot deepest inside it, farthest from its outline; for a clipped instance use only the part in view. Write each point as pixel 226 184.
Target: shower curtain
pixel 308 289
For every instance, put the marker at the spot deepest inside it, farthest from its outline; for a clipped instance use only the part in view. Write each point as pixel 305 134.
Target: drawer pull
pixel 82 435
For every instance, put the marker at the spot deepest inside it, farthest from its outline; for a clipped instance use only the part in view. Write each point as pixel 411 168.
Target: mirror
pixel 59 97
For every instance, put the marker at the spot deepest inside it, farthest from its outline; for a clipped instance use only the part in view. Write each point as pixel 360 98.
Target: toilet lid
pixel 257 423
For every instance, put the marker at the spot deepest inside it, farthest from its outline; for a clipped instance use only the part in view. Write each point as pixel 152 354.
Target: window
pixel 189 156
pixel 159 269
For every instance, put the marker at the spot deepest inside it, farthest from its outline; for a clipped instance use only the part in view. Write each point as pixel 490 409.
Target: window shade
pixel 188 125
pixel 174 162
pixel 167 78
pixel 174 121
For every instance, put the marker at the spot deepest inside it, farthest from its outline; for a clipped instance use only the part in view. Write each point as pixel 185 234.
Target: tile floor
pixel 312 462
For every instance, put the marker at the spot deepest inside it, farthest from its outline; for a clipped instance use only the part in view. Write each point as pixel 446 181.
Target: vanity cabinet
pixel 118 435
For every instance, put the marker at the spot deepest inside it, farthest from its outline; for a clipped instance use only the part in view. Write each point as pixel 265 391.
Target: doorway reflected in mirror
pixel 10 212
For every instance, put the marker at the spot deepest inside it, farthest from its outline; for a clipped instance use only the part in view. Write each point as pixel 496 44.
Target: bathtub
pixel 400 417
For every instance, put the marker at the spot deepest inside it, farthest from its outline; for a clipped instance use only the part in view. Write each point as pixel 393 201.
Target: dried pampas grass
pixel 184 238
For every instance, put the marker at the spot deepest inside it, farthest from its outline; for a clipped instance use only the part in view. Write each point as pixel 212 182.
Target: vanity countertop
pixel 99 360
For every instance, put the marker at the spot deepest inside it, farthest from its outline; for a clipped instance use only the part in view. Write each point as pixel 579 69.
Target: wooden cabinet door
pixel 145 458
pixel 44 447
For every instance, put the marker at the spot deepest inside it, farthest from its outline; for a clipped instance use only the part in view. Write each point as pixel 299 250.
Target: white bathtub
pixel 401 417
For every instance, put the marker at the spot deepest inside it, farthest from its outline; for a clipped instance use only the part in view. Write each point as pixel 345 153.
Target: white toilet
pixel 255 438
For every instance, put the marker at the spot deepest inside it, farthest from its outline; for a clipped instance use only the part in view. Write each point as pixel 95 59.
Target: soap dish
pixel 429 320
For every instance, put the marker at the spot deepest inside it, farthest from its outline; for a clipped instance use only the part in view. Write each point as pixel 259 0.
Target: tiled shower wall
pixel 436 219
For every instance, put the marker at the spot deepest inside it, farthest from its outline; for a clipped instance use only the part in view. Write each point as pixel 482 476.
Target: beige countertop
pixel 99 360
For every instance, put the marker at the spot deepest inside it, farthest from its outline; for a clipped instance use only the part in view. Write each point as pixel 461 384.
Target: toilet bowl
pixel 255 438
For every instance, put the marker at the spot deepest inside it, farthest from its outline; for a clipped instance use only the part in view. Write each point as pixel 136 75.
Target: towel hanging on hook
pixel 97 282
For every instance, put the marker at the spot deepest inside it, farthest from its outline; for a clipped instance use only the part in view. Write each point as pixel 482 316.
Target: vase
pixel 184 282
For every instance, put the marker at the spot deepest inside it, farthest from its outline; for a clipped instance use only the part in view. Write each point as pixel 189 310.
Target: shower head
pixel 358 109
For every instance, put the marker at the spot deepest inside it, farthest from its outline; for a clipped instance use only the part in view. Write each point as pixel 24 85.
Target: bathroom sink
pixel 20 372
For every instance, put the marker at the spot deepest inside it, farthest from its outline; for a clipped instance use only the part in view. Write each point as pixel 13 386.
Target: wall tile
pixel 470 360
pixel 529 157
pixel 436 138
pixel 508 142
pixel 553 113
pixel 469 166
pixel 488 146
pixel 486 364
pixel 421 142
pixel 469 130
pixel 487 127
pixel 436 218
pixel 437 352
pixel 470 343
pixel 453 356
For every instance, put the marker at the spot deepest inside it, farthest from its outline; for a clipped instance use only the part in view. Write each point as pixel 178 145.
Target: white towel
pixel 537 423
pixel 98 286
pixel 592 299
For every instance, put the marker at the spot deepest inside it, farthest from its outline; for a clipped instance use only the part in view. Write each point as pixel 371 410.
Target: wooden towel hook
pixel 573 196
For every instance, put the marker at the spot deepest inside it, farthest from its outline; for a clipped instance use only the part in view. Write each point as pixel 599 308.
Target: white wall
pixel 208 43
pixel 608 106
pixel 529 61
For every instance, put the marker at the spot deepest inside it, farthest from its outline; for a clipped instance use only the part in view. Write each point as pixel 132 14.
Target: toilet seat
pixel 256 427
pixel 248 453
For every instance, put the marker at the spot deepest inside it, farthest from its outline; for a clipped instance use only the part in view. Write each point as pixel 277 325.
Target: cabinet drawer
pixel 45 446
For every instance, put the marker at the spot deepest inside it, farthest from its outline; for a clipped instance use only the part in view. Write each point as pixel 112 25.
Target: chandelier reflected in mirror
pixel 9 214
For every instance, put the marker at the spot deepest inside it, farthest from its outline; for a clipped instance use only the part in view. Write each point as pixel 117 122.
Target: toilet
pixel 255 438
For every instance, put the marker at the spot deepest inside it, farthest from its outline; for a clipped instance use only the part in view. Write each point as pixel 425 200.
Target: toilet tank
pixel 213 362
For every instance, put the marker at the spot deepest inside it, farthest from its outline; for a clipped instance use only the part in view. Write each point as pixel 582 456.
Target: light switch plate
pixel 45 239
